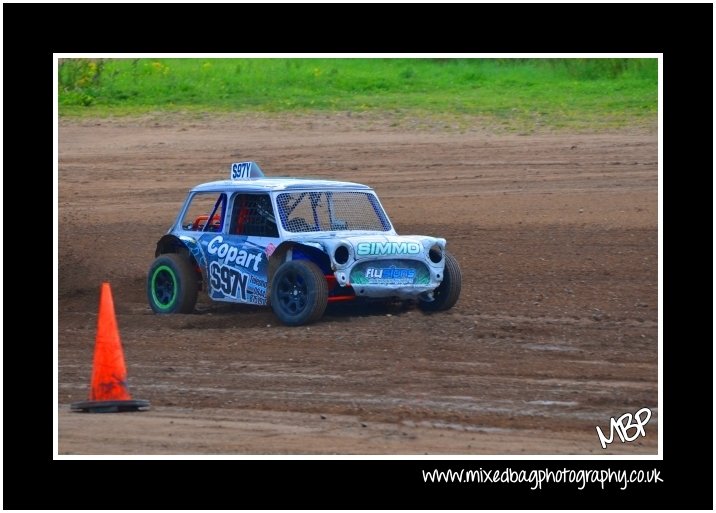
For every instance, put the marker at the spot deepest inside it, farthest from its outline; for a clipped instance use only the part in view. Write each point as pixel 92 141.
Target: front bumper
pixel 390 277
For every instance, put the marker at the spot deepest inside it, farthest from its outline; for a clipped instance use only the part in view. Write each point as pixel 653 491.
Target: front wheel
pixel 448 292
pixel 172 285
pixel 299 292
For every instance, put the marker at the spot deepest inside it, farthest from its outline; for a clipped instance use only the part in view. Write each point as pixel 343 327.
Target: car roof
pixel 277 184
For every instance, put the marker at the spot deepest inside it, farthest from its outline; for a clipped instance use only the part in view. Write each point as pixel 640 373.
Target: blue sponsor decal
pixel 237 269
pixel 390 275
pixel 229 254
pixel 390 272
pixel 231 282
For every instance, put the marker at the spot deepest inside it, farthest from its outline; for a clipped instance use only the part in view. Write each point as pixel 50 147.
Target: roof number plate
pixel 245 170
pixel 240 170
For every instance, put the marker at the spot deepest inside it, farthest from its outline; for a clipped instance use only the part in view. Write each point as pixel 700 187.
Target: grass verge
pixel 514 93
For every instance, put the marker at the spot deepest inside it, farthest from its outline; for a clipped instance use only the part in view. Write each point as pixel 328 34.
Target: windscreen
pixel 324 211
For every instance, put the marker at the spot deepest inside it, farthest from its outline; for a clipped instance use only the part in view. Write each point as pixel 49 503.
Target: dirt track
pixel 555 331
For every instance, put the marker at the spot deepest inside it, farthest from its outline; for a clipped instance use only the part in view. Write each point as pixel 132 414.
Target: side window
pixel 253 215
pixel 205 212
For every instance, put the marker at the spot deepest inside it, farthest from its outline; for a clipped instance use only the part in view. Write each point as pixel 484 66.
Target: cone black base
pixel 110 406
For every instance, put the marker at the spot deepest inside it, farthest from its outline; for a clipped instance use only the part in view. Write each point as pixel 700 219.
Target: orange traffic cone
pixel 109 391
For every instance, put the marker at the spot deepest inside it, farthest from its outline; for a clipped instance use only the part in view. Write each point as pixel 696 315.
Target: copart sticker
pixel 237 273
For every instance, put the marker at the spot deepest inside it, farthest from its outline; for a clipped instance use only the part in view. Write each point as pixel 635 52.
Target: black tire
pixel 172 285
pixel 448 292
pixel 299 292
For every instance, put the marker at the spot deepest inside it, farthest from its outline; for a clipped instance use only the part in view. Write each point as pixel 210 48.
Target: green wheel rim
pixel 164 287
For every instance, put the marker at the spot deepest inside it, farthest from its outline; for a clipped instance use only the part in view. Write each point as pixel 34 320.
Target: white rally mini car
pixel 296 244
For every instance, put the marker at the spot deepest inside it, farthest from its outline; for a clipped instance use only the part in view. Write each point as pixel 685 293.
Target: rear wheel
pixel 448 292
pixel 299 292
pixel 172 285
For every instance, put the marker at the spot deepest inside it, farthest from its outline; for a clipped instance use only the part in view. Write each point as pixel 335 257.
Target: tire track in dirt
pixel 554 333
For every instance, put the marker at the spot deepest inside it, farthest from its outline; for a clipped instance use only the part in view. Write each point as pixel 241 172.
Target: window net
pixel 331 211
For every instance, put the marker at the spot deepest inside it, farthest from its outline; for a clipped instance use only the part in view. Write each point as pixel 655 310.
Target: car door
pixel 237 257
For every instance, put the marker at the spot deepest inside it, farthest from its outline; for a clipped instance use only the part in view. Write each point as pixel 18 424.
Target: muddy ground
pixel 554 333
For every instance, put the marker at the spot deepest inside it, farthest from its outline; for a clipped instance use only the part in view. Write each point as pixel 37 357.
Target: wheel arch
pixel 299 251
pixel 172 244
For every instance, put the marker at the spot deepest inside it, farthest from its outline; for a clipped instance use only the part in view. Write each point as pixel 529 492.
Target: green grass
pixel 516 92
